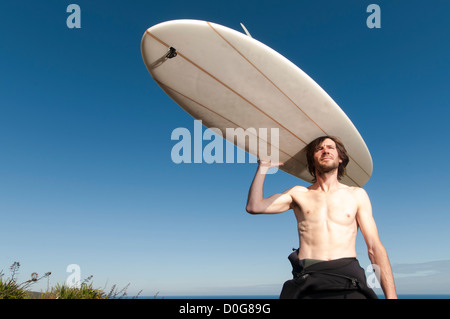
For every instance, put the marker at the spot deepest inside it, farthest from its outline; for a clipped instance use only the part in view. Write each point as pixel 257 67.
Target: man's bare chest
pixel 339 207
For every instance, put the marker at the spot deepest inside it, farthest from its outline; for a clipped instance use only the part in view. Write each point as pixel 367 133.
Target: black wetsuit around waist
pixel 340 278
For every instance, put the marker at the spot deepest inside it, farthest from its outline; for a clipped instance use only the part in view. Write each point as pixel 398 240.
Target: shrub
pixel 11 289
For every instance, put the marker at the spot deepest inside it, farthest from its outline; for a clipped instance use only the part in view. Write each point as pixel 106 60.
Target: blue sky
pixel 86 175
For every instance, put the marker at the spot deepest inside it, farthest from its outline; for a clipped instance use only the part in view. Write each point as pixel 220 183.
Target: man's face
pixel 326 156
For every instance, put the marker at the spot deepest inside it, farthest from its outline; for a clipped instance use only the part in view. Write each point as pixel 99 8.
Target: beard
pixel 327 167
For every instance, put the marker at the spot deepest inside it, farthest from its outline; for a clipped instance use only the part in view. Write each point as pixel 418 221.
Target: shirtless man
pixel 328 212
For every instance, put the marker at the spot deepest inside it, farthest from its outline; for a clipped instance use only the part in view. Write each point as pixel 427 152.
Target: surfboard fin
pixel 246 31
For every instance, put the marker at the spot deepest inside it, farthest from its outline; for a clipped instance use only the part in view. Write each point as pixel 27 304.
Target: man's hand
pixel 264 166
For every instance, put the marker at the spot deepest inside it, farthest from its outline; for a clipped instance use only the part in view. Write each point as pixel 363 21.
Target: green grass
pixel 66 292
pixel 10 288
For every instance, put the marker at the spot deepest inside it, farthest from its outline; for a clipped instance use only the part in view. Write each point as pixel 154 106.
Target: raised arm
pixel 377 253
pixel 274 204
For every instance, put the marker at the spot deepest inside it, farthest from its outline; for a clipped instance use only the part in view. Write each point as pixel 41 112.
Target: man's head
pixel 326 154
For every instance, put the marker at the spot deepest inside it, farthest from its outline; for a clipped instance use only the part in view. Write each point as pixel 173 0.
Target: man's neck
pixel 326 182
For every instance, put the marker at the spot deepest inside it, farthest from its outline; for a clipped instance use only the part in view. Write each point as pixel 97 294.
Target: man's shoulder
pixel 297 189
pixel 354 189
pixel 359 193
pixel 358 190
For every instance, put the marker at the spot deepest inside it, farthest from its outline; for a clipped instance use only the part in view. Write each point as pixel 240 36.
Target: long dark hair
pixel 311 148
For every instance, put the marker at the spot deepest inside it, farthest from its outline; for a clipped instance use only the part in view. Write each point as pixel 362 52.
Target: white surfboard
pixel 229 80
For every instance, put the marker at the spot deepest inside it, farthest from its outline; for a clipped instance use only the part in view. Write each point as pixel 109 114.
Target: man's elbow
pixel 251 209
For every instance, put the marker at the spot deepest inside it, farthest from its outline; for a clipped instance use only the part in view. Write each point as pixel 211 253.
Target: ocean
pixel 400 296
